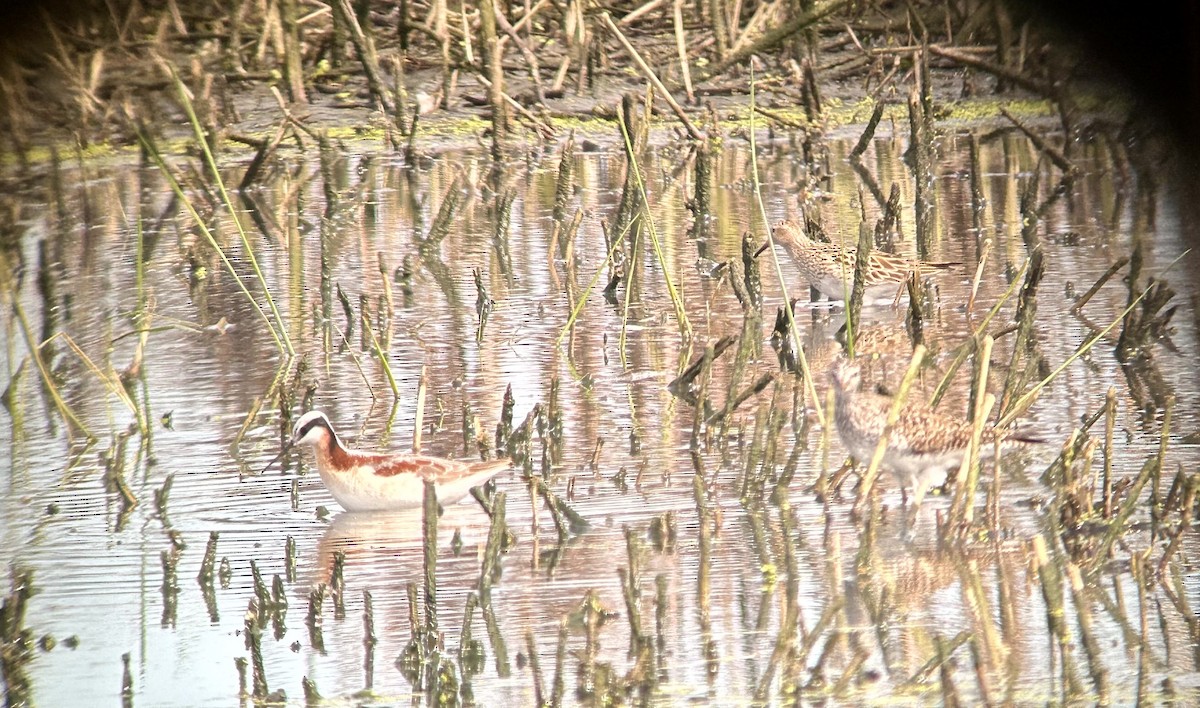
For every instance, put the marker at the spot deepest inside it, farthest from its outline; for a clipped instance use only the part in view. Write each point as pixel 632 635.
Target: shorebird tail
pixel 1009 440
pixel 486 469
pixel 1024 437
pixel 938 265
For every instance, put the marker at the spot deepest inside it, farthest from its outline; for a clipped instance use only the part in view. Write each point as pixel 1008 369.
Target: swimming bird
pixel 924 446
pixel 830 268
pixel 361 481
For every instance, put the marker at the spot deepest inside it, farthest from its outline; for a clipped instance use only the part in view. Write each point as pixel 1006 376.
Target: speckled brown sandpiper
pixel 924 446
pixel 830 268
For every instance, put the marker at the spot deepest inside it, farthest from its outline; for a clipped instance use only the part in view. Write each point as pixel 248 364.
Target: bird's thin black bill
pixel 278 457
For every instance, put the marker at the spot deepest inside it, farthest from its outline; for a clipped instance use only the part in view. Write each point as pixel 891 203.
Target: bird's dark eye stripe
pixel 309 426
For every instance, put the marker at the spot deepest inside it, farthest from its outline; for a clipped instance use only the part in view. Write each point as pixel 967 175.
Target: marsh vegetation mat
pixel 229 219
pixel 725 557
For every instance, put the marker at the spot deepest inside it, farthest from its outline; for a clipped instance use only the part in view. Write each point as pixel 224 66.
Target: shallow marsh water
pixel 99 573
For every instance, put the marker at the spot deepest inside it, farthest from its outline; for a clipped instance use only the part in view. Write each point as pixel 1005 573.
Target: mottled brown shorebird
pixel 924 446
pixel 362 481
pixel 830 268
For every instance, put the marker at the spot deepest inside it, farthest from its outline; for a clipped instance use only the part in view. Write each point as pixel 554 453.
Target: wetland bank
pixel 680 525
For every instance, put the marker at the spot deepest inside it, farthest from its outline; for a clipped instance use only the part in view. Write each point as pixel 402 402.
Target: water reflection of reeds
pixel 773 585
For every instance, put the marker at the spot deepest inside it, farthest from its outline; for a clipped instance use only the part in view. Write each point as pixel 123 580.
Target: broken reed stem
pixel 490 570
pixel 357 362
pixel 47 378
pixel 445 215
pixel 364 320
pixel 293 71
pixel 337 584
pixel 1116 527
pixel 983 617
pixel 1156 477
pixel 793 331
pixel 983 258
pixel 493 56
pixel 608 260
pixel 631 587
pixel 910 376
pixel 826 619
pixel 1191 487
pixel 278 329
pixel 740 397
pixel 535 666
pixel 429 535
pixel 864 140
pixel 681 48
pixel 399 94
pixel 566 519
pixel 1100 282
pixel 968 471
pixel 558 686
pixel 364 47
pixel 277 333
pixel 1022 404
pixel 388 302
pixel 467 645
pixel 1137 567
pixel 528 54
pixel 1025 342
pixel 971 461
pixel 419 413
pixel 774 36
pixel 538 124
pixel 629 217
pixel 142 413
pixel 17 694
pixel 981 672
pixel 692 131
pixel 945 677
pixel 491 554
pixel 964 349
pixel 1052 594
pixel 1017 279
pixel 253 630
pixel 562 187
pixel 704 373
pixel 920 151
pixel 1091 647
pixel 583 299
pixel 822 487
pixel 1056 156
pixel 382 355
pixel 685 325
pixel 921 675
pixel 209 563
pixel 112 382
pixel 348 311
pixel 289 559
pixel 1110 421
pixel 866 240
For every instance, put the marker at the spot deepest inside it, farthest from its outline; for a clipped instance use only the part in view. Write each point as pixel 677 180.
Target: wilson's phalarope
pixel 361 481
